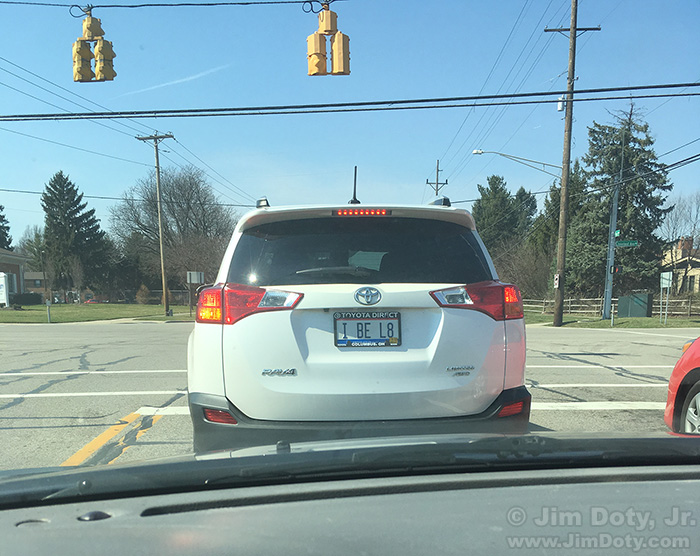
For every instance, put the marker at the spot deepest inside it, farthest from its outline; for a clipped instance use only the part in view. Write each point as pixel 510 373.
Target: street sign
pixel 666 279
pixel 617 233
pixel 626 243
pixel 195 277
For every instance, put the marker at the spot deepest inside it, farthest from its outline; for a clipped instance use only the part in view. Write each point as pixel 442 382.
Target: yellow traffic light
pixel 316 53
pixel 81 61
pixel 340 54
pixel 104 67
pixel 92 28
pixel 327 22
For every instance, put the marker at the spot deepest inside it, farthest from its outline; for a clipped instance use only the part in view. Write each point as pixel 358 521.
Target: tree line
pixel 75 253
pixel 523 242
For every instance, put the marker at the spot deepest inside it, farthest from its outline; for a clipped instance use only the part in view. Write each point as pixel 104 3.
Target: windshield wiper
pixel 351 270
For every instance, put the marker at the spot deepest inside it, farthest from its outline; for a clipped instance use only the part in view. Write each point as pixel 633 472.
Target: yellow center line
pixel 91 447
pixel 139 434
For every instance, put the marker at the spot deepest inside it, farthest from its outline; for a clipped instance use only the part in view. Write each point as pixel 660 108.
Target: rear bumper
pixel 249 432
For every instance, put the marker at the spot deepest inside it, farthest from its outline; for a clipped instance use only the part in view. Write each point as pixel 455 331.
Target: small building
pixel 35 282
pixel 13 264
pixel 683 259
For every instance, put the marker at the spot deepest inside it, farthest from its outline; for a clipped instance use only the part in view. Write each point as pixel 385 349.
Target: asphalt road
pixel 91 393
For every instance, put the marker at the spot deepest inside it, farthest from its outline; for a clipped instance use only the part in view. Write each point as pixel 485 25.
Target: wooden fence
pixel 679 307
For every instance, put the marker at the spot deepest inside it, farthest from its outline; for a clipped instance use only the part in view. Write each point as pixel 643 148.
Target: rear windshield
pixel 358 251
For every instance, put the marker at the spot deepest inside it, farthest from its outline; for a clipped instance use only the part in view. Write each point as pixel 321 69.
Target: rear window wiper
pixel 352 270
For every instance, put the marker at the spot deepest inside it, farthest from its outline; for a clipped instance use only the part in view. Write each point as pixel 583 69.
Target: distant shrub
pixel 29 298
pixel 143 296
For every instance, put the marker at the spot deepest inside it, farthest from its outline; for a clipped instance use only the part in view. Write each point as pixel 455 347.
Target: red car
pixel 683 404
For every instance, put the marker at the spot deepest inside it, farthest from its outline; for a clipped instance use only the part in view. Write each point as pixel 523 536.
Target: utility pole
pixel 157 139
pixel 607 300
pixel 559 279
pixel 437 185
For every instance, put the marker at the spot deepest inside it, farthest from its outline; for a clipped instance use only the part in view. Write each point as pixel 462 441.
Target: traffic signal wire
pixel 173 5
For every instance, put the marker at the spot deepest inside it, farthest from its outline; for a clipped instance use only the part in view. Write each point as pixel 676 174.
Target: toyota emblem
pixel 368 296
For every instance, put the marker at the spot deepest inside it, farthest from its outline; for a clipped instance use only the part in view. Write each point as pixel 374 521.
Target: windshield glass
pixel 261 225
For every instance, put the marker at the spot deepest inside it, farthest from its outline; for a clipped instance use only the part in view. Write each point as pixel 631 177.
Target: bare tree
pixel 196 226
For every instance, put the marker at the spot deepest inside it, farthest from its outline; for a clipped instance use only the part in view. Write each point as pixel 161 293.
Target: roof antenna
pixel 354 200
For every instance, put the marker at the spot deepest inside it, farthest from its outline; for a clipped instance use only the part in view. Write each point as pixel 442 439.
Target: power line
pixel 545 217
pixel 493 67
pixel 488 127
pixel 234 186
pixel 73 147
pixel 133 199
pixel 96 122
pixel 398 104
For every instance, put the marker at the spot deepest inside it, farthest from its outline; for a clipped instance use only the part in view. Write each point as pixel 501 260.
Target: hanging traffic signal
pixel 82 56
pixel 316 53
pixel 340 54
pixel 104 67
pixel 103 54
pixel 92 28
pixel 327 22
pixel 316 46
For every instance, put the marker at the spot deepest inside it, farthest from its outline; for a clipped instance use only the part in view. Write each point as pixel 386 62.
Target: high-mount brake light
pixel 499 301
pixel 362 212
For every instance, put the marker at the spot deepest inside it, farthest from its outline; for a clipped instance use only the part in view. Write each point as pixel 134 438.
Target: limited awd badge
pixel 368 296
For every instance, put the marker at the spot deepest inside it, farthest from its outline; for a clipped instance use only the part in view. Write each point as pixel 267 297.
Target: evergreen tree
pixel 545 228
pixel 494 214
pixel 525 207
pixel 74 241
pixel 643 187
pixel 5 237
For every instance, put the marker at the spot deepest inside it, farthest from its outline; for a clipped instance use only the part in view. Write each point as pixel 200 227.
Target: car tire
pixel 690 416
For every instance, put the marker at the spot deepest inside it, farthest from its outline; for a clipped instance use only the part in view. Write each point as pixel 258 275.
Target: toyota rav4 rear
pixel 337 322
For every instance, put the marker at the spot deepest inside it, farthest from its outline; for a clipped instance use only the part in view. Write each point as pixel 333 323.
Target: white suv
pixel 347 321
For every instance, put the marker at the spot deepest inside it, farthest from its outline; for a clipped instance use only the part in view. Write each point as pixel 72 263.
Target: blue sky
pixel 400 49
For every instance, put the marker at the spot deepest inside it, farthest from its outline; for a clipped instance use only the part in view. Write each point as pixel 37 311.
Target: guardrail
pixel 679 307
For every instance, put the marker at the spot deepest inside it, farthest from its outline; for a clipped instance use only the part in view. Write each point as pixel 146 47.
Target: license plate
pixel 367 328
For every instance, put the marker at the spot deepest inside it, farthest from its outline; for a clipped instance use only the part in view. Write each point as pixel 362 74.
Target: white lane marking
pixel 652 334
pixel 66 373
pixel 643 385
pixel 600 366
pixel 88 394
pixel 596 406
pixel 176 410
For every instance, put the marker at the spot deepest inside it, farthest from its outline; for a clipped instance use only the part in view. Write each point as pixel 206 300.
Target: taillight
pixel 209 305
pixel 511 409
pixel 241 301
pixel 232 302
pixel 499 301
pixel 512 303
pixel 219 416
